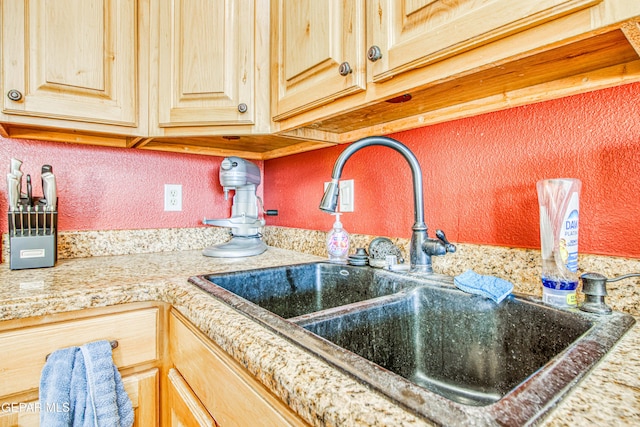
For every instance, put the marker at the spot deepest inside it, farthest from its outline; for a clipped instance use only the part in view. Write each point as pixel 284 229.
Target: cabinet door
pixel 70 59
pixel 142 389
pixel 314 40
pixel 185 408
pixel 413 33
pixel 228 391
pixel 206 62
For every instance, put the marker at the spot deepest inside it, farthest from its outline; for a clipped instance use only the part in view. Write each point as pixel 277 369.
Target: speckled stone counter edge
pixel 324 396
pixel 519 266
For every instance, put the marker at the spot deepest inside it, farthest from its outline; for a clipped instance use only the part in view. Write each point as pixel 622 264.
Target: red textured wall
pixel 109 189
pixel 480 175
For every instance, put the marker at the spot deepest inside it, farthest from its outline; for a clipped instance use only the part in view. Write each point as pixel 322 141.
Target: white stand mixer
pixel 243 177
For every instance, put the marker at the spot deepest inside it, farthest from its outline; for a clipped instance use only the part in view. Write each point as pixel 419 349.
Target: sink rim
pixel 530 400
pixel 240 303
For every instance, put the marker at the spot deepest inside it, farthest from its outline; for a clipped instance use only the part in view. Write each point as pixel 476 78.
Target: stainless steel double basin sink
pixel 451 357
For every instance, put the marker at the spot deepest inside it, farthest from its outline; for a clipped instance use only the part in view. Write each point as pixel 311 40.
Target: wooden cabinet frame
pixel 162 358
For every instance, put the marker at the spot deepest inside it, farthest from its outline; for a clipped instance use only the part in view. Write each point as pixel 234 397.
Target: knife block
pixel 33 239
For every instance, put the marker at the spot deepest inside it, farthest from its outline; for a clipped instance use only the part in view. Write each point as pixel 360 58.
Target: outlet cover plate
pixel 173 197
pixel 346 196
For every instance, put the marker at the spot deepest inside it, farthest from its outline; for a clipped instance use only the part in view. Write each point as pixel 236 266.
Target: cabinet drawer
pixel 23 351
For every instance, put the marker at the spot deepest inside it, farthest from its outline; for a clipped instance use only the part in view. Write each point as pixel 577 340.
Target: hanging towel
pixel 80 386
pixel 55 388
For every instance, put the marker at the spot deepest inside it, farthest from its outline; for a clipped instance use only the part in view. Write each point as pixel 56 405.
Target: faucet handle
pixel 439 246
pixel 448 246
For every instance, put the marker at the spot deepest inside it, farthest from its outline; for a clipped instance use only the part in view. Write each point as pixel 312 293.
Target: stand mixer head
pixel 242 177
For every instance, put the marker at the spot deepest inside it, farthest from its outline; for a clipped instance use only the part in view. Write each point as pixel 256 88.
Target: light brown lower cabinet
pixel 142 388
pixel 22 414
pixel 230 393
pixel 194 383
pixel 184 406
pixel 25 344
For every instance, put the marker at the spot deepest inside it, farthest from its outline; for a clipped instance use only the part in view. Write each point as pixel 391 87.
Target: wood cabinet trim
pixel 186 408
pixel 631 30
pixel 190 348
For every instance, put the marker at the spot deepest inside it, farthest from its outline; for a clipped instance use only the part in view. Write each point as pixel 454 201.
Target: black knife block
pixel 33 239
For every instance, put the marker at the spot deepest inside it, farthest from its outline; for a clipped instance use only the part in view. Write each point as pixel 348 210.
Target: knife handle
pixel 13 191
pixel 50 191
pixel 46 169
pixel 29 191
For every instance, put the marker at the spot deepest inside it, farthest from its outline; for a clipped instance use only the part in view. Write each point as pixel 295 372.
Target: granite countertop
pixel 609 395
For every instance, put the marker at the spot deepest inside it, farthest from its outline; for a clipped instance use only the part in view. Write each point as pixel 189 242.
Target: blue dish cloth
pixel 488 286
pixel 81 386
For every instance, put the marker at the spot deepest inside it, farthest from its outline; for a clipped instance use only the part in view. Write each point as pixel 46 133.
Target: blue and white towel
pixel 81 386
pixel 488 286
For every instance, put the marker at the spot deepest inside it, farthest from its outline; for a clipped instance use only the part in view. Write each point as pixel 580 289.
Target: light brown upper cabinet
pixel 205 68
pixel 267 78
pixel 188 76
pixel 328 50
pixel 319 53
pixel 429 61
pixel 71 63
pixel 210 80
pixel 411 33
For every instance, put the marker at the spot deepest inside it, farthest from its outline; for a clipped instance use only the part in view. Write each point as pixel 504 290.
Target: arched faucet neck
pixel 416 171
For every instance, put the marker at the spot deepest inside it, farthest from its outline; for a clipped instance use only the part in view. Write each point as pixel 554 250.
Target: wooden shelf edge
pixel 296 149
pixel 191 149
pixel 574 85
pixel 62 136
pixel 138 142
pixel 310 134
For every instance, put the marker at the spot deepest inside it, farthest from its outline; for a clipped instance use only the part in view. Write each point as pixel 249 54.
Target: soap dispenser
pixel 338 242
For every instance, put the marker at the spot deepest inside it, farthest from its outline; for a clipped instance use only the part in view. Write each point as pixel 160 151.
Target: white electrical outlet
pixel 172 197
pixel 346 196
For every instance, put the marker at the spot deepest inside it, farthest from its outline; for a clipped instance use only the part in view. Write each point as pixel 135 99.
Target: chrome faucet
pixel 422 247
